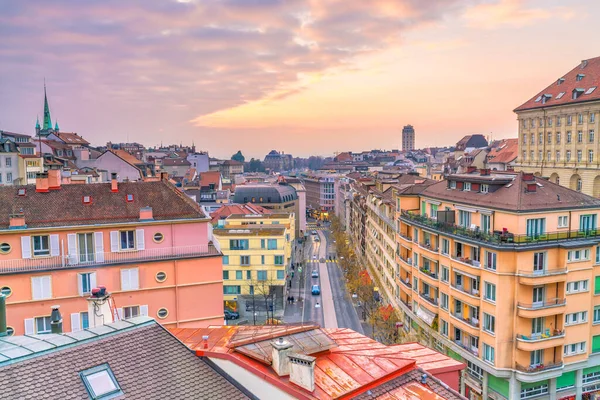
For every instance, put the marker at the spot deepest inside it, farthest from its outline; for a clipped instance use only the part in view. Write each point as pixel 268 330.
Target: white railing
pixel 105 258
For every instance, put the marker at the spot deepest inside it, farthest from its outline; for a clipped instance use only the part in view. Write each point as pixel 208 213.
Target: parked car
pixel 315 274
pixel 316 290
pixel 317 239
pixel 231 314
pixel 314 232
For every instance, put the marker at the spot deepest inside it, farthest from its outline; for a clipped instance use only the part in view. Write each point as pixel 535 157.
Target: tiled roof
pixel 127 157
pixel 176 162
pixel 210 177
pixel 71 138
pixel 65 206
pixel 147 362
pixel 513 196
pixel 506 151
pixel 230 209
pixel 590 69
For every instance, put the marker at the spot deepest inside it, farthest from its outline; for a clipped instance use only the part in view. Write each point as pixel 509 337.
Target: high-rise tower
pixel 408 138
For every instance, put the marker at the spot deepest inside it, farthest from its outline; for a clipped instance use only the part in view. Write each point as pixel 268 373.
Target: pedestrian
pixel 292 299
pixel 290 285
pixel 289 297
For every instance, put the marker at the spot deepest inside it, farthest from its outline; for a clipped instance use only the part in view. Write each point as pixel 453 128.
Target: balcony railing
pixel 538 367
pixel 406 283
pixel 107 258
pixel 543 304
pixel 499 237
pixel 545 272
pixel 237 248
pixel 428 299
pixel 405 236
pixel 472 292
pixel 542 336
pixel 472 350
pixel 468 261
pixel 428 246
pixel 474 322
pixel 428 272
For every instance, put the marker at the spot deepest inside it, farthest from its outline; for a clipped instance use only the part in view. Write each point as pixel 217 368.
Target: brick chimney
pixel 531 187
pixel 528 177
pixel 17 220
pixel 114 185
pixel 280 355
pixel 484 171
pixel 41 182
pixel 146 214
pixel 302 371
pixel 471 169
pixel 54 178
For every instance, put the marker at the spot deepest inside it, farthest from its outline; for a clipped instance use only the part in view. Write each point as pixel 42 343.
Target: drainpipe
pixel 2 315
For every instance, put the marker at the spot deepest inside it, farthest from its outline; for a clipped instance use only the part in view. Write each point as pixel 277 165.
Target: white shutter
pixel 99 246
pixel 124 279
pixel 26 246
pixel 144 310
pixel 119 314
pixel 72 248
pixel 134 278
pixel 80 284
pixel 139 239
pixel 75 322
pixel 36 287
pixel 114 241
pixel 92 280
pixel 54 246
pixel 47 287
pixel 29 326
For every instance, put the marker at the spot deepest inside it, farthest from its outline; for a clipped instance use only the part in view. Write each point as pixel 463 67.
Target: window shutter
pixel 597 285
pixel 36 288
pixel 114 241
pixel 139 239
pixel 72 248
pixel 99 246
pixel 79 284
pixel 47 287
pixel 75 322
pixel 92 280
pixel 125 281
pixel 134 279
pixel 54 246
pixel 144 310
pixel 29 326
pixel 595 344
pixel 26 246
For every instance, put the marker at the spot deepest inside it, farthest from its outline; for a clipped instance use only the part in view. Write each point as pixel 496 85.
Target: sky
pixel 306 77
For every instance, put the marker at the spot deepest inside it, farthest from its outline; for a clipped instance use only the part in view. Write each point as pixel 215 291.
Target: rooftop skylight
pixel 590 90
pixel 561 94
pixel 100 382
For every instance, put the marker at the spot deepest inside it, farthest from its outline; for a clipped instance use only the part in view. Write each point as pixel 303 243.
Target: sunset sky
pixel 300 76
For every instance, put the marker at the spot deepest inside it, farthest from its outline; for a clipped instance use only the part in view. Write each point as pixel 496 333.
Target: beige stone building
pixel 558 130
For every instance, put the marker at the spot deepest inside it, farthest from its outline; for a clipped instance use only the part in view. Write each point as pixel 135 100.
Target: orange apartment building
pixel 146 242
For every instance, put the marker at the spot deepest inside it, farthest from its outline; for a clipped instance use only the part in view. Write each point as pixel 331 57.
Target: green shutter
pixel 567 379
pixel 423 208
pixel 454 355
pixel 498 385
pixel 591 370
pixel 534 384
pixel 596 344
pixel 597 285
pixel 414 325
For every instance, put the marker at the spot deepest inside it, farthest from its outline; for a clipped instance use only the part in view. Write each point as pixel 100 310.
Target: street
pixel 335 308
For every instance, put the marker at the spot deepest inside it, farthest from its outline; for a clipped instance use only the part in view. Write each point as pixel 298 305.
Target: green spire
pixel 56 126
pixel 37 123
pixel 47 120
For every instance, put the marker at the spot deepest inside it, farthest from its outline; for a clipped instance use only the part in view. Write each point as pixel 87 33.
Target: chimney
pixel 164 176
pixel 528 177
pixel 17 220
pixel 41 182
pixel 99 310
pixel 280 355
pixel 302 371
pixel 146 214
pixel 114 185
pixel 54 178
pixel 56 320
pixel 471 168
pixel 531 187
pixel 584 64
pixel 2 315
pixel 484 171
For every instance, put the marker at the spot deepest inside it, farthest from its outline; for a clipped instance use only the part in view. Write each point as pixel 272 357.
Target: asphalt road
pixel 311 313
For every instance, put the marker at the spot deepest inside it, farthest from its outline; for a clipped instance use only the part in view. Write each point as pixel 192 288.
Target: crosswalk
pixel 318 261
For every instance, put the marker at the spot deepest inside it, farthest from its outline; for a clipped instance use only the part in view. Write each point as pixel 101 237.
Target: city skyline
pixel 301 77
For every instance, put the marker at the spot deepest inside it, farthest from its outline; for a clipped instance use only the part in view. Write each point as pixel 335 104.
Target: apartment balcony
pixel 466 262
pixel 429 248
pixel 405 262
pixel 430 302
pixel 471 349
pixel 544 277
pixel 542 309
pixel 534 373
pixel 256 248
pixel 467 324
pixel 107 258
pixel 541 341
pixel 470 294
pixel 406 283
pixel 429 276
pixel 498 238
pixel 406 239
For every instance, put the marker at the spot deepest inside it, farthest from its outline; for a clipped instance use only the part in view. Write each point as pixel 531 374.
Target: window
pixel 534 391
pixel 548 156
pixel 84 320
pixel 280 274
pixel 445 274
pixel 8 162
pixel 467 186
pixel 41 287
pixel 569 119
pixel 577 286
pixel 5 248
pixel 261 275
pixel 30 176
pixel 445 246
pixel 558 133
pixel 158 237
pixel 490 260
pixel 444 301
pixel 596 315
pixel 162 313
pixel 569 136
pixel 574 349
pixel 245 260
pixel 488 353
pixel 229 289
pixel 225 275
pixel 278 260
pixel 489 323
pixel 490 291
pixel 161 276
pixel 549 135
pixel 9 178
pixel 129 279
pixel 576 318
pixel 100 382
pixel 262 260
pixel 592 376
pixel 129 198
pixel 539 261
pixel 87 281
pixel 42 325
pixel 6 291
pixel 579 136
pixel 591 135
pixel 531 156
pixel 563 221
pixel 452 184
pixel 262 243
pixel 592 117
pixel 540 136
pixel 225 260
pixel 536 227
pixel 241 244
pixel 127 240
pixel 272 244
pixel 578 255
pixel 597 254
pixel 464 218
pixel 131 312
pixel 524 136
pixel 579 156
pixel 540 155
pixel 557 155
pixel 248 275
pixel 590 156
pixel 531 125
pixel 475 370
pixel 568 156
pixel 524 155
pixel 41 245
pixel 485 188
pixel 580 118
pixel 444 328
pixel 558 119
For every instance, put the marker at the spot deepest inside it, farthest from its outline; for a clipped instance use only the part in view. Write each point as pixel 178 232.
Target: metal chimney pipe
pixel 56 320
pixel 2 315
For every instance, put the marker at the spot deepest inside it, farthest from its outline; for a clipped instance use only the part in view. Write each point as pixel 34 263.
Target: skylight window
pixel 538 99
pixel 561 94
pixel 129 198
pixel 590 90
pixel 100 382
pixel 21 192
pixel 87 199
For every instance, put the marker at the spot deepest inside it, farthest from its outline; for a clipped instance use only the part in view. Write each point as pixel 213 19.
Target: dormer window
pixel 452 184
pixel 21 192
pixel 560 81
pixel 485 188
pixel 87 200
pixel 577 93
pixel 467 186
pixel 579 77
pixel 545 98
pixel 129 198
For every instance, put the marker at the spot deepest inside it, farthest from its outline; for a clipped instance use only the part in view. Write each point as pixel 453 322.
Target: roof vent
pixel 560 81
pixel 561 94
pixel 531 188
pixel 528 177
pixel 579 77
pixel 424 379
pixel 584 64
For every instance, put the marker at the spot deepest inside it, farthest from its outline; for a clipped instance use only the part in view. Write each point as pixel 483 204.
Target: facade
pixel 408 138
pixel 29 166
pixel 257 250
pixel 320 194
pixel 557 130
pixel 230 169
pixel 145 241
pixel 199 161
pixel 9 162
pixel 503 156
pixel 498 270
pixel 276 161
pixel 176 167
pixel 115 162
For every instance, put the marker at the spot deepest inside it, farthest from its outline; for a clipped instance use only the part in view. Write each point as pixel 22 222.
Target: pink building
pixel 145 241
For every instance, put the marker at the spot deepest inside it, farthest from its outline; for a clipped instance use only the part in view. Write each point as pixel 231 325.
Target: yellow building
pixel 501 271
pixel 558 130
pixel 257 251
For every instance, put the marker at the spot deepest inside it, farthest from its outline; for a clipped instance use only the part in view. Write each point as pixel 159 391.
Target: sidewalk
pixel 292 313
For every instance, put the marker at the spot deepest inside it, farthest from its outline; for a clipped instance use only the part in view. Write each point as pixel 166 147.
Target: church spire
pixel 56 125
pixel 47 120
pixel 37 123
